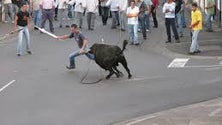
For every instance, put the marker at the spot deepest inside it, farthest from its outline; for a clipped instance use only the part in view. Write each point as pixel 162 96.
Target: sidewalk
pixel 210 43
pixel 205 113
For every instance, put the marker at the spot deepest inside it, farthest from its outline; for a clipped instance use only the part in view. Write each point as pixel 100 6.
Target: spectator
pixel 132 14
pixel 114 7
pixel 15 8
pixel 169 11
pixel 210 8
pixel 178 12
pixel 47 7
pixel 147 14
pixel 91 9
pixel 8 11
pixel 104 11
pixel 142 18
pixel 80 6
pixel 62 13
pixel 153 11
pixel 196 26
pixel 123 4
pixel 36 12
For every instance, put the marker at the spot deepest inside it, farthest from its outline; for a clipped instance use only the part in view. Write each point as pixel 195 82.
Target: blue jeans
pixel 147 18
pixel 142 22
pixel 25 32
pixel 179 23
pixel 194 45
pixel 115 17
pixel 75 54
pixel 208 21
pixel 133 33
pixel 37 17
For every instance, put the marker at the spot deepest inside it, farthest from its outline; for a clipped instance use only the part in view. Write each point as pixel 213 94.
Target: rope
pixel 84 77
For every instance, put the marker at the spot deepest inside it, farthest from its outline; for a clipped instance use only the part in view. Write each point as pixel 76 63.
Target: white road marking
pixel 203 66
pixel 140 120
pixel 5 86
pixel 178 63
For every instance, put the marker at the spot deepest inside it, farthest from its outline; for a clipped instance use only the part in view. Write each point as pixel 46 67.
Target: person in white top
pixel 114 8
pixel 91 9
pixel 169 11
pixel 8 11
pixel 47 7
pixel 62 12
pixel 132 14
pixel 123 4
pixel 80 6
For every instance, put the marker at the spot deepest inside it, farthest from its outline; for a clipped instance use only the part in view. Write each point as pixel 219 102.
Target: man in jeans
pixel 196 26
pixel 210 6
pixel 22 21
pixel 82 43
pixel 132 14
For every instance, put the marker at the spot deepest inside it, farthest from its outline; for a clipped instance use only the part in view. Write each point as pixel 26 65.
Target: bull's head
pixel 93 48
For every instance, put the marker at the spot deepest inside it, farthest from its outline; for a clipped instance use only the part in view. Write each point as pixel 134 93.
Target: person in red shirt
pixel 153 12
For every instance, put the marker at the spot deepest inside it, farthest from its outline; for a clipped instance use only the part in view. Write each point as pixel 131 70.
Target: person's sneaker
pixel 168 41
pixel 29 52
pixel 147 30
pixel 136 44
pixel 197 51
pixel 131 43
pixel 177 41
pixel 70 67
pixel 191 53
pixel 18 54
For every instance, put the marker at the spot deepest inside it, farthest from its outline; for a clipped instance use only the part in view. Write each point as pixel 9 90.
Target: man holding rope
pixel 82 43
pixel 22 21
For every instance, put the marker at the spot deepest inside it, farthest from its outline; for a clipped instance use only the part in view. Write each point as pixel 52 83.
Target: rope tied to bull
pixel 87 72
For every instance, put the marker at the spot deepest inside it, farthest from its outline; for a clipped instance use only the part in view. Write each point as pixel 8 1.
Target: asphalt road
pixel 43 92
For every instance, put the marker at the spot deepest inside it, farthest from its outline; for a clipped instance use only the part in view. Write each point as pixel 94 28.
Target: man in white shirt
pixel 79 9
pixel 8 11
pixel 91 9
pixel 62 12
pixel 47 7
pixel 169 11
pixel 114 8
pixel 123 4
pixel 132 14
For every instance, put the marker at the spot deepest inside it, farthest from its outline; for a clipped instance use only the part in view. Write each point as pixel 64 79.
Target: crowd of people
pixel 130 15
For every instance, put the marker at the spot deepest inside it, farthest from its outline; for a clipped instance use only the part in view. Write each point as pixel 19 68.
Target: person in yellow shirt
pixel 196 26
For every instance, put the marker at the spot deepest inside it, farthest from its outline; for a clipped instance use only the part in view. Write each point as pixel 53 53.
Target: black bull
pixel 108 57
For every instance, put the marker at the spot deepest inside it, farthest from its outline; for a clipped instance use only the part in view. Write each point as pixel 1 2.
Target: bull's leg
pixel 111 72
pixel 118 73
pixel 124 63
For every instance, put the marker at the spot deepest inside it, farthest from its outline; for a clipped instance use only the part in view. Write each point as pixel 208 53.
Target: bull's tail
pixel 125 42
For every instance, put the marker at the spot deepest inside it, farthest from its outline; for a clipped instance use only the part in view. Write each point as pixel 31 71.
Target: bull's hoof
pixel 130 76
pixel 120 74
pixel 107 77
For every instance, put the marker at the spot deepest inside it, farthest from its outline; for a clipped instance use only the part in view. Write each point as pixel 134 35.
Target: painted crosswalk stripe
pixel 178 63
pixel 5 86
